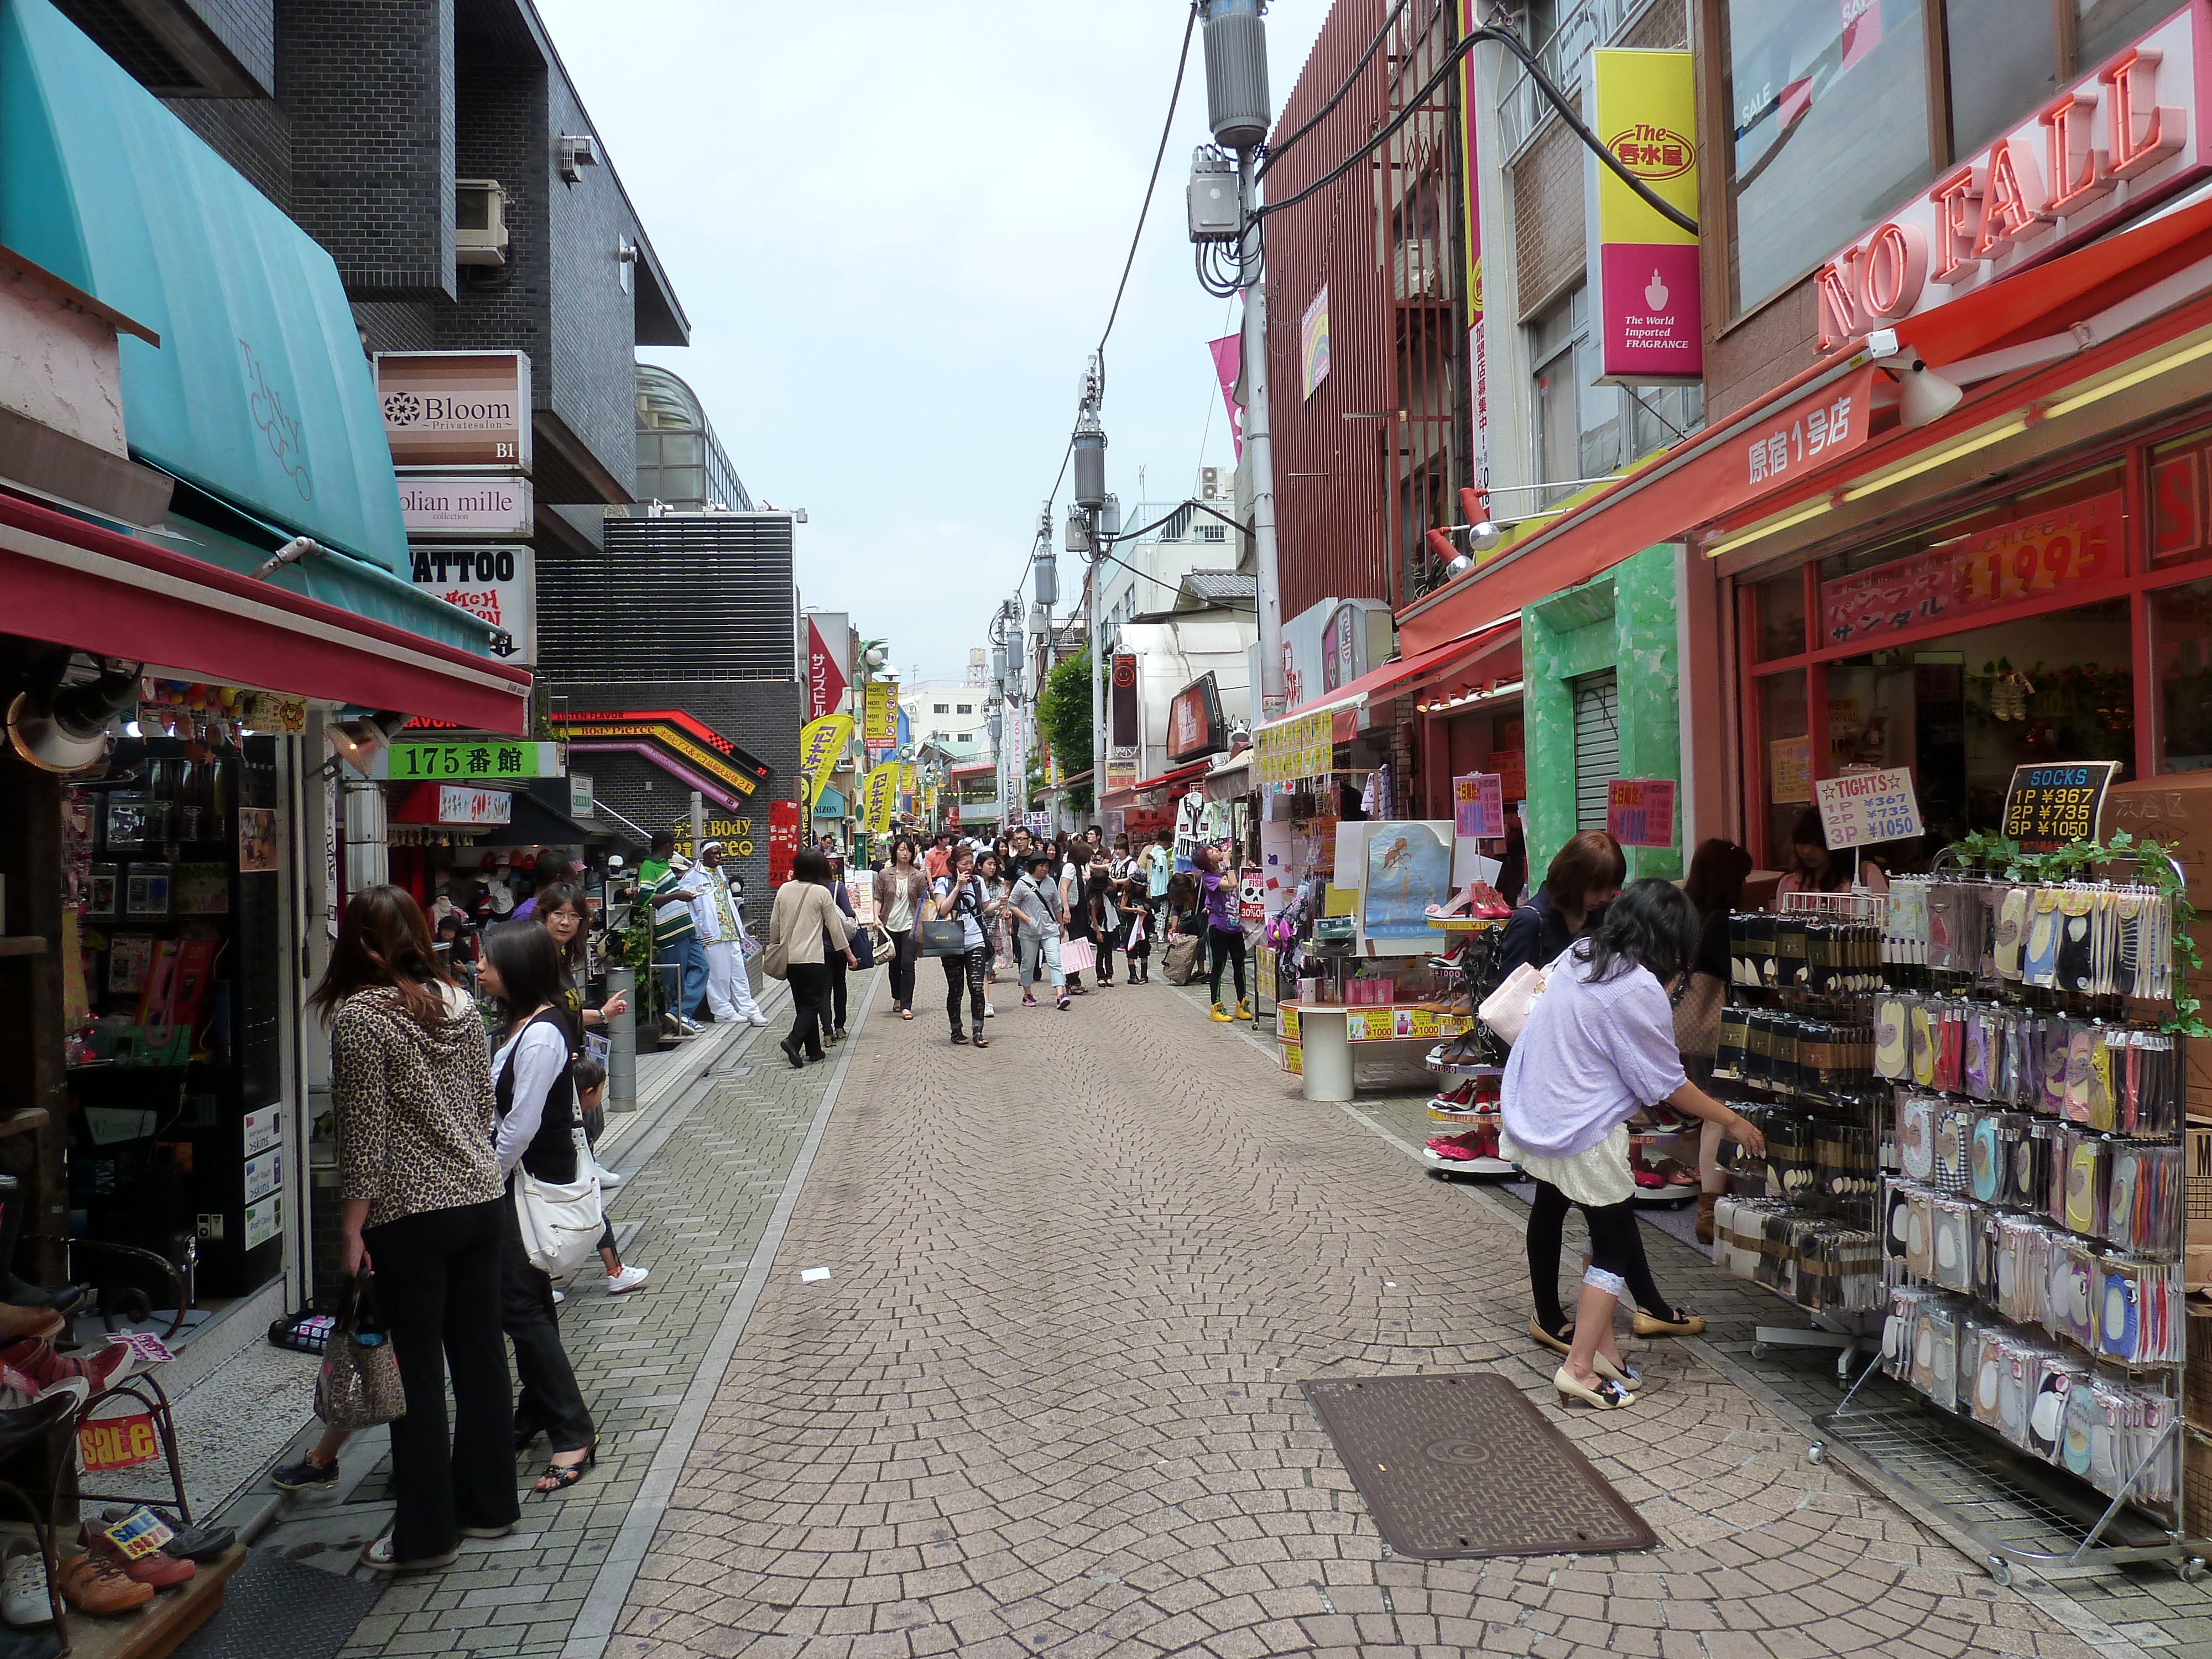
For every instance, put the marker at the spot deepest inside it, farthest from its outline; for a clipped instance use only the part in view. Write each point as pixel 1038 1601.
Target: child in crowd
pixel 590 1100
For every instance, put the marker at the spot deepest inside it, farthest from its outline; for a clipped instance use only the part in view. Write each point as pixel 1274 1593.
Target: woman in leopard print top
pixel 412 1094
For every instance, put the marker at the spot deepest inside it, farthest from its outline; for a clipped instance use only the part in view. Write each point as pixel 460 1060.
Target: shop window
pixel 1579 425
pixel 1781 604
pixel 1830 128
pixel 2181 645
pixel 2179 473
pixel 2102 28
pixel 2003 56
pixel 1597 746
pixel 1784 728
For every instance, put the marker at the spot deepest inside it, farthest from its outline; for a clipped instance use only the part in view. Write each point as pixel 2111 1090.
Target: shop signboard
pixel 1195 723
pixel 782 840
pixel 475 505
pixel 263 1221
pixel 1470 137
pixel 1511 766
pixel 1790 770
pixel 1313 341
pixel 1478 805
pixel 1640 811
pixel 460 804
pixel 263 1175
pixel 879 717
pixel 1861 808
pixel 878 795
pixel 108 1443
pixel 736 834
pixel 582 802
pixel 829 662
pixel 498 586
pixel 456 408
pixel 1650 317
pixel 2048 806
pixel 1300 747
pixel 263 1129
pixel 2128 130
pixel 2034 557
pixel 1818 428
pixel 489 759
pixel 1124 743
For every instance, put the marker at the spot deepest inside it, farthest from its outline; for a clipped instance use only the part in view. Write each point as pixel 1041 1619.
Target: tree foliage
pixel 1063 714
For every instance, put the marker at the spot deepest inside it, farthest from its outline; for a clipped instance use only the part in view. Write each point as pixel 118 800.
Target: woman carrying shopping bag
pixel 803 927
pixel 411 1096
pixel 1035 902
pixel 536 1099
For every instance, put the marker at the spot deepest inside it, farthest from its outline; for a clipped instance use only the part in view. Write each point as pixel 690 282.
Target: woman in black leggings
pixel 1598 1046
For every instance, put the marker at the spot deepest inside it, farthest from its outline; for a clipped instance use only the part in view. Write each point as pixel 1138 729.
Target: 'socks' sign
pixel 2095 152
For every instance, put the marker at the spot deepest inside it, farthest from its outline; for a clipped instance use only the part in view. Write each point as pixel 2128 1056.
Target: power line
pixel 1275 152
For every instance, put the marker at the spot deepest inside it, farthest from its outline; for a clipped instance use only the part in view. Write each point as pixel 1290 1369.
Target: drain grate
pixel 1454 1467
pixel 274 1608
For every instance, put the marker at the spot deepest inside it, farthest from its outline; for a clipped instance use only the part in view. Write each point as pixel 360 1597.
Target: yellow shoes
pixel 1221 1014
pixel 1243 1008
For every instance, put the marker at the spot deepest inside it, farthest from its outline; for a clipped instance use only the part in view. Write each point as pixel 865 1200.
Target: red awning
pixel 77 583
pixel 1411 669
pixel 1703 478
pixel 1179 775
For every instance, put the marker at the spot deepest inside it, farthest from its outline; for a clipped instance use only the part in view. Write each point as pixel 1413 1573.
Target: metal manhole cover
pixel 1454 1468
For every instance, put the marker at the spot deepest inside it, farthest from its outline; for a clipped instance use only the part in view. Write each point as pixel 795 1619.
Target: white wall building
pixel 952 714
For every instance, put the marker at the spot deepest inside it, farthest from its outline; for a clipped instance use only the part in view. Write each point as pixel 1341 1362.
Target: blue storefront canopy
pixel 258 393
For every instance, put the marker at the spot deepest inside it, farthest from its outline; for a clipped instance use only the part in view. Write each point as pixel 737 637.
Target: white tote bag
pixel 1505 1010
pixel 561 1221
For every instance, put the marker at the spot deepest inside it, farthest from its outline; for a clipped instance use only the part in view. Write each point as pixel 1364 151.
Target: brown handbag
pixel 1698 1016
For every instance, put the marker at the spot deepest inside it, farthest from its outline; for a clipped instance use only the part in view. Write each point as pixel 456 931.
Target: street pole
pixel 1258 449
pixel 698 824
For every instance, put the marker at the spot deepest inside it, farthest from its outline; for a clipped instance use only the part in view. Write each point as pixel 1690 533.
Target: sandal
pixel 906 1013
pixel 565 1475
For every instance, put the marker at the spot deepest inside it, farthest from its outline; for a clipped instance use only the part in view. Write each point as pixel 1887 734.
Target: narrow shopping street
pixel 1048 1400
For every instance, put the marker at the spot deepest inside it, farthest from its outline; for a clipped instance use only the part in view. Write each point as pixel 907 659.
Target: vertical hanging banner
pixel 1122 742
pixel 829 662
pixel 1313 341
pixel 1471 203
pixel 782 840
pixel 880 794
pixel 1650 318
pixel 821 746
pixel 1228 354
pixel 879 717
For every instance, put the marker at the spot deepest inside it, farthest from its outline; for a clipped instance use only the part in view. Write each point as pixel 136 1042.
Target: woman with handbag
pixel 1077 950
pixel 412 1097
pixel 1583 876
pixel 960 898
pixel 835 1000
pixel 535 1096
pixel 1105 917
pixel 1715 885
pixel 1035 906
pixel 1598 1046
pixel 803 927
pixel 905 892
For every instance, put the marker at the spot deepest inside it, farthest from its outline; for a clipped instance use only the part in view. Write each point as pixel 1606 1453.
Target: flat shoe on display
pixel 91 1584
pixel 24 1294
pixel 159 1569
pixel 23 1599
pixel 1682 1324
pixel 28 1424
pixel 376 1555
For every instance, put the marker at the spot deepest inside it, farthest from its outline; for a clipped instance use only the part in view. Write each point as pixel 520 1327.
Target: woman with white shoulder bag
pixel 535 1097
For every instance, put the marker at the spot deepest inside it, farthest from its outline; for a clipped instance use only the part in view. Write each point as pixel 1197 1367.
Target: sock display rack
pixel 1991 1168
pixel 1470 1066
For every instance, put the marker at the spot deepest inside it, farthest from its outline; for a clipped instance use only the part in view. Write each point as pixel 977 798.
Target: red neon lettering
pixel 2076 168
pixel 1955 227
pixel 2013 203
pixel 2143 131
pixel 1839 311
pixel 1893 273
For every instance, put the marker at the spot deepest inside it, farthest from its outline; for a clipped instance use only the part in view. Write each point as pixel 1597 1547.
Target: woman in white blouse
pixel 535 1130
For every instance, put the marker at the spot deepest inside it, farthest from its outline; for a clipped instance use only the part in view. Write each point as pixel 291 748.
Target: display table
pixel 1317 1039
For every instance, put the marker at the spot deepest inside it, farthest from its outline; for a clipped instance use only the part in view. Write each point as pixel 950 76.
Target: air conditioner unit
pixel 479 221
pixel 1216 483
pixel 1415 272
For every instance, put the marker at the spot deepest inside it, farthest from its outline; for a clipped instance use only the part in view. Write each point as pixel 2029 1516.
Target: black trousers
pixel 834 999
pixel 810 998
pixel 1104 942
pixel 1227 945
pixel 438 1280
pixel 550 1399
pixel 1616 1247
pixel 968 970
pixel 903 947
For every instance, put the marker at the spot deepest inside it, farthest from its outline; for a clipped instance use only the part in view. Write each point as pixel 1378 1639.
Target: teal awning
pixel 258 393
pixel 829 805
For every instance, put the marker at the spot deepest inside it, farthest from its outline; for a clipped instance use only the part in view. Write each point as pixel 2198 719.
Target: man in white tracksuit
pixel 722 931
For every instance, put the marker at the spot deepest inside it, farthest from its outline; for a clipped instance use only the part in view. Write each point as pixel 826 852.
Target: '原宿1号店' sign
pixel 1861 808
pixel 498 586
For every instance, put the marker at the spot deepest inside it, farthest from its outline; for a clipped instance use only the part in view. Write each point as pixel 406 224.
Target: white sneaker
pixel 23 1586
pixel 760 1019
pixel 559 1296
pixel 628 1279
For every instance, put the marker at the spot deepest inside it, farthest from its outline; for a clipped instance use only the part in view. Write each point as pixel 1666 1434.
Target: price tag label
pixel 139 1533
pixel 2048 806
pixel 1861 808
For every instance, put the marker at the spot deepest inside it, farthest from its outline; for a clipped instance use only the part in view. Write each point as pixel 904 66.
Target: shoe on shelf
pixel 92 1583
pixel 23 1599
pixel 1220 1015
pixel 24 1294
pixel 306 1476
pixel 160 1570
pixel 19 1323
pixel 376 1555
pixel 628 1279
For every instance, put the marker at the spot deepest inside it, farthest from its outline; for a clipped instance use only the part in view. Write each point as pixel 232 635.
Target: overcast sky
pixel 897 227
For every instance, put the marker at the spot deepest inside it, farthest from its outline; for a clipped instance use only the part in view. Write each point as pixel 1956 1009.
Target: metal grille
pixel 1597 746
pixel 702 596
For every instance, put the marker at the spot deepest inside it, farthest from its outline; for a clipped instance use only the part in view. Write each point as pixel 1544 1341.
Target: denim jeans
pixel 683 974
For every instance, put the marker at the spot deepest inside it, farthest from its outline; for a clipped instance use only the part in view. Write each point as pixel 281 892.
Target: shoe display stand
pixel 1926 1154
pixel 1471 1066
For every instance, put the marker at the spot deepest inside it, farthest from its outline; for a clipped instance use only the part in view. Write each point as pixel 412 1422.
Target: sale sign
pixel 1640 811
pixel 2062 548
pixel 106 1443
pixel 1478 805
pixel 1861 808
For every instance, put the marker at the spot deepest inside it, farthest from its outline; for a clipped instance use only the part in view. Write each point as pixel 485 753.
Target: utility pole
pixel 1259 449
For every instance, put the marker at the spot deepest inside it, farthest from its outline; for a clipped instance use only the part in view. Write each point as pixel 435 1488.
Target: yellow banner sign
pixel 821 746
pixel 1300 747
pixel 880 794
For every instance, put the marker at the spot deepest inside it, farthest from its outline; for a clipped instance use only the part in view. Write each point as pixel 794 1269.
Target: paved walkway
pixel 1047 1398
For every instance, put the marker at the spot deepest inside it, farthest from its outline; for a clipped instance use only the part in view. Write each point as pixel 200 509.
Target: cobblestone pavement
pixel 706 1175
pixel 1047 1400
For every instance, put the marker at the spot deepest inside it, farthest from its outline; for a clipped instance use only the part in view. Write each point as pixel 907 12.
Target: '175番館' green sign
pixel 481 762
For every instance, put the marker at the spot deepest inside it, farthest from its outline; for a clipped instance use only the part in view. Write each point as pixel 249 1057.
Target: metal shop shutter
pixel 1597 745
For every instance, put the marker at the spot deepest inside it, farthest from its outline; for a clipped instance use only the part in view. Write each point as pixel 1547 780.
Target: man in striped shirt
pixel 676 948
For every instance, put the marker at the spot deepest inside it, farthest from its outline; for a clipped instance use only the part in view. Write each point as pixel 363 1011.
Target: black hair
pixel 528 963
pixel 913 852
pixel 1653 924
pixel 1810 830
pixel 1034 860
pixel 1165 837
pixel 811 863
pixel 663 843
pixel 588 1074
pixel 560 897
